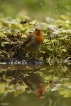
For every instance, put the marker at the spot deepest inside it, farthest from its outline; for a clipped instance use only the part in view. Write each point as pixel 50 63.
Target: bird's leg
pixel 33 56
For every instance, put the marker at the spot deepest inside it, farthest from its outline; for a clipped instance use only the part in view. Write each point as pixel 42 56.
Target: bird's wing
pixel 28 40
pixel 29 84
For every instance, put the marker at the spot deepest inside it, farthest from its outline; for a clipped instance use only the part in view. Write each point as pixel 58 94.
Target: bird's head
pixel 38 35
pixel 38 31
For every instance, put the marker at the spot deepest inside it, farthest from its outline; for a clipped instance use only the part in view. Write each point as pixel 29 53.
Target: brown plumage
pixel 36 84
pixel 34 40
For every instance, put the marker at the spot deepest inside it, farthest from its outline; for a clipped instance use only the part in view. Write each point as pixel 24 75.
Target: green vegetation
pixel 55 49
pixel 57 37
pixel 53 58
pixel 57 78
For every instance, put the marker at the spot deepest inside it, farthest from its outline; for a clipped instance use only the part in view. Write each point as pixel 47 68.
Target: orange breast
pixel 39 37
pixel 41 91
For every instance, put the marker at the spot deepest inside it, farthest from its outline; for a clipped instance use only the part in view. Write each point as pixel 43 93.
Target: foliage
pixel 57 38
pixel 55 50
pixel 57 78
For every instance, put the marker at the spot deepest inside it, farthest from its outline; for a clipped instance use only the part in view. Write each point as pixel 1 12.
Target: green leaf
pixel 4 43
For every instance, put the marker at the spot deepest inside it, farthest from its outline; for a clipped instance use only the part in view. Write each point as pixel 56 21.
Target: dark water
pixel 58 85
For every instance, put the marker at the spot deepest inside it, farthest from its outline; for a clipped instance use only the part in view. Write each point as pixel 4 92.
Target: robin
pixel 36 84
pixel 34 40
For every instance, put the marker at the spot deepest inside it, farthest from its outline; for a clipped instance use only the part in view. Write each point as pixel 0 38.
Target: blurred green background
pixel 36 9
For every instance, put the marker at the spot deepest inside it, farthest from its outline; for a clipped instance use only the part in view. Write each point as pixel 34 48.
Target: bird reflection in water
pixel 36 84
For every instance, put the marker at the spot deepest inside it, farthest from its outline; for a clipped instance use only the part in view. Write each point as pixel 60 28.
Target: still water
pixel 13 88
